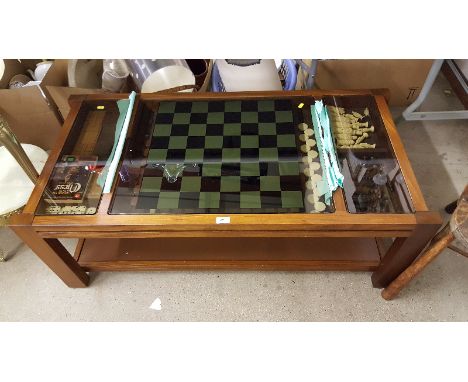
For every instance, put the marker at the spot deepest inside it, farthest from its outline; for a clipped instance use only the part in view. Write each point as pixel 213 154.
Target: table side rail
pixel 194 222
pixel 401 156
pixel 222 234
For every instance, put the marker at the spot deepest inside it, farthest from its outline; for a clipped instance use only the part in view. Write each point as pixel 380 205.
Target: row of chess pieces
pixel 308 145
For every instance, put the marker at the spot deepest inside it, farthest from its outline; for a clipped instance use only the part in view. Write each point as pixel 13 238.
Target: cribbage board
pixel 239 157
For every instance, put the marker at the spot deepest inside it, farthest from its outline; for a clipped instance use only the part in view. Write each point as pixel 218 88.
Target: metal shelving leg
pixel 310 70
pixel 410 114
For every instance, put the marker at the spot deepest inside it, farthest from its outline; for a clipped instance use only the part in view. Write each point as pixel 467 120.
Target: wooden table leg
pixel 417 267
pixel 405 249
pixel 56 257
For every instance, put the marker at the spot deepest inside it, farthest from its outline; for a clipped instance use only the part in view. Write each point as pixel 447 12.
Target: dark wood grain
pixel 239 222
pixel 52 253
pixel 229 253
pixel 455 84
pixel 401 156
pixel 404 250
pixel 225 233
pixel 392 290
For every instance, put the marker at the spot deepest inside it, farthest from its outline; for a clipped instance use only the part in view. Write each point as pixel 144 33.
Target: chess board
pixel 237 157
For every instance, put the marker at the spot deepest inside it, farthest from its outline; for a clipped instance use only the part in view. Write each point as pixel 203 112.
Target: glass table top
pixel 75 185
pixel 225 156
pixel 218 157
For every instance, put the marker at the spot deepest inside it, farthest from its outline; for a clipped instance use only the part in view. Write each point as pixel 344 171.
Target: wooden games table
pixel 134 228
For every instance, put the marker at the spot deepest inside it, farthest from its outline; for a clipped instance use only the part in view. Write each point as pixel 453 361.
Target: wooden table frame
pixel 411 231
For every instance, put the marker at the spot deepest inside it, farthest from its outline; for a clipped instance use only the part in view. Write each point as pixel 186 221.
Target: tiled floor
pixel 439 154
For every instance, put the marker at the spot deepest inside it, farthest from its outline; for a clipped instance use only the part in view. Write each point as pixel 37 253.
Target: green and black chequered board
pixel 240 157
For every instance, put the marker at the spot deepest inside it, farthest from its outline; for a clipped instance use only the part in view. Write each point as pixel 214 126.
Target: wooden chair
pixel 20 164
pixel 454 236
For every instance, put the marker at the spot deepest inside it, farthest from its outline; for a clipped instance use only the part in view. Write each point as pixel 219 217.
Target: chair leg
pixel 434 249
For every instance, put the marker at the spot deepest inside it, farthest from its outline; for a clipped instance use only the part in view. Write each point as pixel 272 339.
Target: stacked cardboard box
pixel 403 78
pixel 36 113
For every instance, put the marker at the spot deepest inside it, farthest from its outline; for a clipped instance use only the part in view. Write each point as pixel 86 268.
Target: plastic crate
pixel 287 70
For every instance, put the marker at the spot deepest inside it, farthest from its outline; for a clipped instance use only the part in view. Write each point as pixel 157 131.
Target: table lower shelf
pixel 354 254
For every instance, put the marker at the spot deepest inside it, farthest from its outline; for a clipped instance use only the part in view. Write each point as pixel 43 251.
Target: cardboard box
pixel 404 78
pixel 36 113
pixel 30 115
pixel 55 86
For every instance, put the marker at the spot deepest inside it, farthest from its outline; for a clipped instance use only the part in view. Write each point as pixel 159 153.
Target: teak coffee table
pixel 222 181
